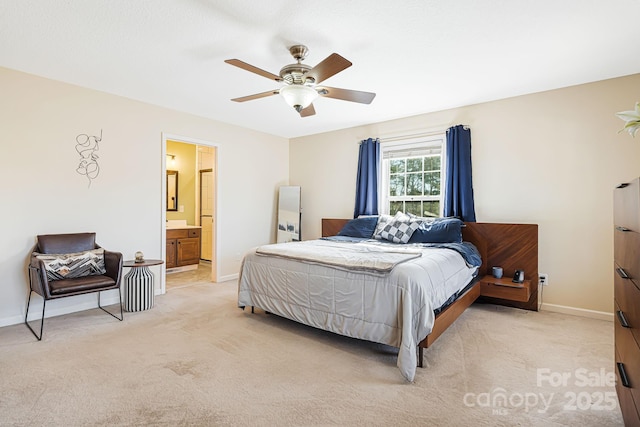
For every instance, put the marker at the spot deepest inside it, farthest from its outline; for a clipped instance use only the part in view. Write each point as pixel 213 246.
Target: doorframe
pixel 163 207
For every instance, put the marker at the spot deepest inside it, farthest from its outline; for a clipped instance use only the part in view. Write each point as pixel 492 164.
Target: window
pixel 412 176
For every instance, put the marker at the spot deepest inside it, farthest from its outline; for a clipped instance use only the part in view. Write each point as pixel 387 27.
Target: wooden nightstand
pixel 505 289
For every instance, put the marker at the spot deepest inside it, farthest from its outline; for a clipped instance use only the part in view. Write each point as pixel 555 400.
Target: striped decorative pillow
pixel 70 266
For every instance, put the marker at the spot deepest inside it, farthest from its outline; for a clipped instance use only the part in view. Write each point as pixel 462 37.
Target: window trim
pixel 419 145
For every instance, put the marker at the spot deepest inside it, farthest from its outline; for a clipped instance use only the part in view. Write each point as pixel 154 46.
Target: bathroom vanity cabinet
pixel 183 246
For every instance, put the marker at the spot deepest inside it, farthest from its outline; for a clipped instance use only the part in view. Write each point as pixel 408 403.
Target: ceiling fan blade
pixel 249 67
pixel 330 66
pixel 256 96
pixel 346 94
pixel 309 111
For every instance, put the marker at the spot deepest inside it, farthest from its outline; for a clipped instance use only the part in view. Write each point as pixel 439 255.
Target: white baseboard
pixel 58 307
pixel 36 309
pixel 229 277
pixel 62 306
pixel 582 312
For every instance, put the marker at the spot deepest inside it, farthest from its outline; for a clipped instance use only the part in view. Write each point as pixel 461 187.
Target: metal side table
pixel 138 290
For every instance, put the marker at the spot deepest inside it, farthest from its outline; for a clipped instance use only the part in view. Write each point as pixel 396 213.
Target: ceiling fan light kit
pixel 298 96
pixel 299 90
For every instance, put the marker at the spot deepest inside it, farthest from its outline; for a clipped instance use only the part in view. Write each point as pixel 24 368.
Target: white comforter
pixel 394 308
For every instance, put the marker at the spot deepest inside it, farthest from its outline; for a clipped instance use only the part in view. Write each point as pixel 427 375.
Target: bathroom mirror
pixel 172 190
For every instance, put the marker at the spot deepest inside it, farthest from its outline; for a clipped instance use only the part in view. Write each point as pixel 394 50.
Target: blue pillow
pixel 360 227
pixel 438 230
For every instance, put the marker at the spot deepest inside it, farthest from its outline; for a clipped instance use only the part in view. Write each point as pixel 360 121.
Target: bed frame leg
pixel 420 354
pixel 251 309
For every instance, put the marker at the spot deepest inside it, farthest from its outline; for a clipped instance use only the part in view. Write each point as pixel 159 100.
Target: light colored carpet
pixel 196 359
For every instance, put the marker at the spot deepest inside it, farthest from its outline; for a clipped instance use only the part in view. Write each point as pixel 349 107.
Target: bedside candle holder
pixel 497 272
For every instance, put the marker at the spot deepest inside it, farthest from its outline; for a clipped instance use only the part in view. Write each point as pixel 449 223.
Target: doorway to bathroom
pixel 189 235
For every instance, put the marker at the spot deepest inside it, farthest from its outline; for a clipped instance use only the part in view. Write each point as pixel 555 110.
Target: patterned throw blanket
pixel 366 257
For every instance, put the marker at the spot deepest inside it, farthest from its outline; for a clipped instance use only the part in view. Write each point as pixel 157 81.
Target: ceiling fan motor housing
pixel 295 74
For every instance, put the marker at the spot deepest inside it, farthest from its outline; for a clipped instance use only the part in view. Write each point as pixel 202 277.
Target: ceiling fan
pixel 300 81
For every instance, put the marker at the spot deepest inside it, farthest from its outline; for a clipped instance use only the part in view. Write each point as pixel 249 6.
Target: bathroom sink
pixel 176 223
pixel 179 223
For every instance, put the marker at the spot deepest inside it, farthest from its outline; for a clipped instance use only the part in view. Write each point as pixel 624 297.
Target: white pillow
pixel 382 221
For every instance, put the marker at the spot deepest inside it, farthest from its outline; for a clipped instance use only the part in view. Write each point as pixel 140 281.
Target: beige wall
pixel 550 158
pixel 42 192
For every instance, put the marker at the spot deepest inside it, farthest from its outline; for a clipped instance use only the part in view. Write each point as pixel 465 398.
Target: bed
pixel 403 295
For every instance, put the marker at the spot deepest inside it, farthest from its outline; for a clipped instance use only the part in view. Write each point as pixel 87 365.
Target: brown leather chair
pixel 53 289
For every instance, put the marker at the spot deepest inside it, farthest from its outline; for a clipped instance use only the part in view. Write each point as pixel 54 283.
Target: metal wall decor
pixel 87 146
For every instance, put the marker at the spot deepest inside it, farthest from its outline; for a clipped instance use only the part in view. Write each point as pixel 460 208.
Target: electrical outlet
pixel 544 279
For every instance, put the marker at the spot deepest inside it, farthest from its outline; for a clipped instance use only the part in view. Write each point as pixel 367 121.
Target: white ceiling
pixel 417 55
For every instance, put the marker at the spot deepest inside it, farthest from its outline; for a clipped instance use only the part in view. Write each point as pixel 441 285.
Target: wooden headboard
pixel 510 246
pixel 331 226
